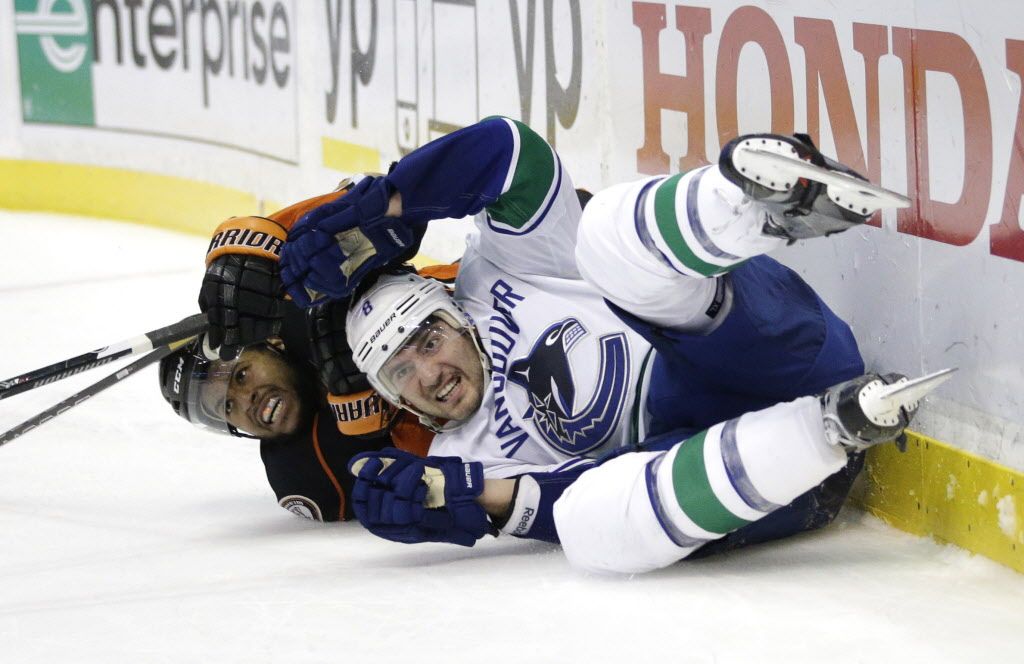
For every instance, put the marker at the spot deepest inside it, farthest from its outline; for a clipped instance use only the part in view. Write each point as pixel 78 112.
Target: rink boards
pixel 924 97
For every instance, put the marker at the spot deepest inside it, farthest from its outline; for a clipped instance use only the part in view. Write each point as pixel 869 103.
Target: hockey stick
pixel 187 327
pixel 90 391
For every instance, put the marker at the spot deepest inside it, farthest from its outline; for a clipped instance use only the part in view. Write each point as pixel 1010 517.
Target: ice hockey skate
pixel 874 409
pixel 806 193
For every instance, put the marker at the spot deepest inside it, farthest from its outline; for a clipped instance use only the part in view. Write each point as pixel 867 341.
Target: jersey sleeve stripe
pixel 516 145
pixel 534 179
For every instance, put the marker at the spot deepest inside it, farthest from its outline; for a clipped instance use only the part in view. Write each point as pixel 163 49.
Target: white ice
pixel 125 535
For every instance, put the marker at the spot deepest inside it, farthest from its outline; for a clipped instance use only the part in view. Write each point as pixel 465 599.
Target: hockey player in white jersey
pixel 637 381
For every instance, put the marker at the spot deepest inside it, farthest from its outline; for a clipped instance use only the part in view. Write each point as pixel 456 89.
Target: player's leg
pixel 778 342
pixel 657 248
pixel 644 510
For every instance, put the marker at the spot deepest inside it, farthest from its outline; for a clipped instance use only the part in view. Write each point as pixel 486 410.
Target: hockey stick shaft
pixel 183 329
pixel 90 391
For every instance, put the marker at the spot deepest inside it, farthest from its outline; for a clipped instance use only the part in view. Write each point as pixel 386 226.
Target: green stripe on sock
pixel 668 225
pixel 534 173
pixel 694 493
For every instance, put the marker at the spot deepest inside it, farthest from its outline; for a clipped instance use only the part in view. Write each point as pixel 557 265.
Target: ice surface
pixel 128 536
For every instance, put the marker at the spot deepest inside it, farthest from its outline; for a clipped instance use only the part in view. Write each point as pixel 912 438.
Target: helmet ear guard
pixel 181 376
pixel 388 314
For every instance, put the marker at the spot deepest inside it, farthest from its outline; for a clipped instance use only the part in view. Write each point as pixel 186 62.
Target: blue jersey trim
pixel 737 472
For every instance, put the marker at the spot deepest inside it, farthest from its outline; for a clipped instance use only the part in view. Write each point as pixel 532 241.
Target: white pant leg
pixel 646 510
pixel 654 247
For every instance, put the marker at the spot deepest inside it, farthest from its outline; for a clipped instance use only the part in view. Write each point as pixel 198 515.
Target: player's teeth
pixel 270 410
pixel 447 390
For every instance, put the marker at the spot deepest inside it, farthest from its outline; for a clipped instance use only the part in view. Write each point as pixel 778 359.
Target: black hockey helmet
pixel 196 387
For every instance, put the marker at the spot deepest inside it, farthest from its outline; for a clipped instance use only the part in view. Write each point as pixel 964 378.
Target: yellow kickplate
pixel 114 193
pixel 348 157
pixel 954 496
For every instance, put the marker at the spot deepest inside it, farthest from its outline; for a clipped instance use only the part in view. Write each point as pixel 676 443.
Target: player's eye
pixel 227 406
pixel 240 374
pixel 433 342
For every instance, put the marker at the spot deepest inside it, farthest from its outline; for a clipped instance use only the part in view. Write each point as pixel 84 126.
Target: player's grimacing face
pixel 439 372
pixel 263 396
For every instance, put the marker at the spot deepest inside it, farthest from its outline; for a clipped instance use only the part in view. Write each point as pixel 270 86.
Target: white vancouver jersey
pixel 566 372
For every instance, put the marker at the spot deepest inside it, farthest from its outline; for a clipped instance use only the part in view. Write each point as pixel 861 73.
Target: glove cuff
pixel 253 236
pixel 358 414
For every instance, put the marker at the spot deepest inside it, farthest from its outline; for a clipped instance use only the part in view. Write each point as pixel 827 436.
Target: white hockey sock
pixel 612 258
pixel 703 224
pixel 645 510
pixel 653 246
pixel 741 470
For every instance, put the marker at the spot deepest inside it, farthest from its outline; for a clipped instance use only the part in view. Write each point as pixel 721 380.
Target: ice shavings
pixel 1007 509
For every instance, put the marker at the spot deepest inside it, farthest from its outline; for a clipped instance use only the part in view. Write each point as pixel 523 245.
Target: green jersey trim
pixel 694 493
pixel 533 180
pixel 668 227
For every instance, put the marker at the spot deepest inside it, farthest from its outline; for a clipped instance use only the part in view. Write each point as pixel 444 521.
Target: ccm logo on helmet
pixel 177 375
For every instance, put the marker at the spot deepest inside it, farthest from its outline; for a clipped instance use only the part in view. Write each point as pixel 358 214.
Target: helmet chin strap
pixel 433 423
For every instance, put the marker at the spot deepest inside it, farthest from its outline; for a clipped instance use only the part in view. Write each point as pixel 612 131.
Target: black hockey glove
pixel 241 292
pixel 330 350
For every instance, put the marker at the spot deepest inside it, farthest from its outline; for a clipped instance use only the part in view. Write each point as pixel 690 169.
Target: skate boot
pixel 806 193
pixel 873 409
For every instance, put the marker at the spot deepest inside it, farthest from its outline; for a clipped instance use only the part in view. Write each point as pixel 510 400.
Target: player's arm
pixel 445 499
pixel 498 165
pixel 308 471
pixel 241 291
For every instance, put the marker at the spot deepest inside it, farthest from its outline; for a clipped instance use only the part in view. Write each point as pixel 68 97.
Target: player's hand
pixel 334 246
pixel 241 292
pixel 405 498
pixel 358 408
pixel 325 325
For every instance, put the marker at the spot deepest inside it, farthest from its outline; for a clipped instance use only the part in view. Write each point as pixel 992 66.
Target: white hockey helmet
pixel 389 313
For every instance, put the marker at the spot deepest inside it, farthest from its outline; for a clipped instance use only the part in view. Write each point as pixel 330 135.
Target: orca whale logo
pixel 546 375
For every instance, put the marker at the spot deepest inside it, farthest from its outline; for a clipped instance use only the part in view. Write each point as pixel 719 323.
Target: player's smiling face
pixel 263 395
pixel 438 372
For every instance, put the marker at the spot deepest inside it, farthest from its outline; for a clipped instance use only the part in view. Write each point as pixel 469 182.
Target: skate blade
pixel 882 403
pixel 912 391
pixel 864 194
